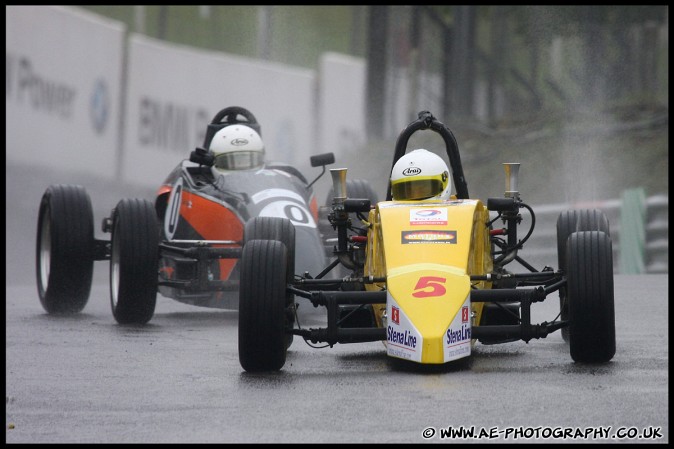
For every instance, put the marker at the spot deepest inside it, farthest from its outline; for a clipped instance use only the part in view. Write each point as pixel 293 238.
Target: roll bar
pixel 424 122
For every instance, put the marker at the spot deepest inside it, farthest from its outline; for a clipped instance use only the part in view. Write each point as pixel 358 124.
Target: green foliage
pixel 299 34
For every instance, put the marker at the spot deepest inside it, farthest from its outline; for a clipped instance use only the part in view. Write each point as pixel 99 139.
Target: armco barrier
pixel 639 229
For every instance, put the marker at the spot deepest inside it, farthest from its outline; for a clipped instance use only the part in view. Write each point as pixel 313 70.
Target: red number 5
pixel 435 283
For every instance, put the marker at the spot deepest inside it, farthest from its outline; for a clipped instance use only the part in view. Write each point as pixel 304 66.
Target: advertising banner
pixel 174 92
pixel 63 70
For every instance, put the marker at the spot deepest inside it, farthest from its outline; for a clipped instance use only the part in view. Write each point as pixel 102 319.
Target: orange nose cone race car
pixel 428 271
pixel 186 243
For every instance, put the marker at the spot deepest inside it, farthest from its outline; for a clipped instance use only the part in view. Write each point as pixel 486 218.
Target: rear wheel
pixel 355 188
pixel 569 222
pixel 263 323
pixel 64 249
pixel 134 261
pixel 590 296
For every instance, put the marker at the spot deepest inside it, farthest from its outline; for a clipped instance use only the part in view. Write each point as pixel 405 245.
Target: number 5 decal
pixel 432 282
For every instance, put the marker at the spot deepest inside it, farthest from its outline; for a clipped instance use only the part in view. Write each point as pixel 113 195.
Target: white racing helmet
pixel 237 147
pixel 420 175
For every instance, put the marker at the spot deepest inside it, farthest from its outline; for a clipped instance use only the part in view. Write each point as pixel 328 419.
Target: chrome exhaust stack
pixel 338 185
pixel 512 170
pixel 340 217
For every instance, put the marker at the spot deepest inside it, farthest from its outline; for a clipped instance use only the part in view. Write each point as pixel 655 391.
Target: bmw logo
pixel 99 106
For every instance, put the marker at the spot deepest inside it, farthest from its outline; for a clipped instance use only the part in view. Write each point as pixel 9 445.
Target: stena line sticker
pixel 458 335
pixel 403 340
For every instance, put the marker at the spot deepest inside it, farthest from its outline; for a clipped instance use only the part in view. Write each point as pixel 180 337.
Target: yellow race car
pixel 428 276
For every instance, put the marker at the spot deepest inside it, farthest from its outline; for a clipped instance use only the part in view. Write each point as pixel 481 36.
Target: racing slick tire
pixel 281 229
pixel 65 249
pixel 134 259
pixel 273 228
pixel 590 297
pixel 356 188
pixel 569 222
pixel 263 321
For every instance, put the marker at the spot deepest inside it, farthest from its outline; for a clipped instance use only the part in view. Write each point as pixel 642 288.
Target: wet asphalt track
pixel 85 379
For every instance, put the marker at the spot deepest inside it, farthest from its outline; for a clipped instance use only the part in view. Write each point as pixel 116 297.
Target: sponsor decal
pixel 428 216
pixel 169 126
pixel 458 336
pixel 457 352
pixel 411 171
pixel 428 236
pixel 457 339
pixel 26 85
pixel 401 353
pixel 465 314
pixel 428 213
pixel 395 314
pixel 405 339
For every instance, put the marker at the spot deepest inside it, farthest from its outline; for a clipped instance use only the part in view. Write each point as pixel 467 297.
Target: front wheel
pixel 64 249
pixel 274 228
pixel 281 229
pixel 263 318
pixel 590 297
pixel 134 261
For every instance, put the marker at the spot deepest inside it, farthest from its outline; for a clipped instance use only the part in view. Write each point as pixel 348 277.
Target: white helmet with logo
pixel 420 175
pixel 237 147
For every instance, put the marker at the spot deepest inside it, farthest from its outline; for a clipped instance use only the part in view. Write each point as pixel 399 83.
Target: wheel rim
pixel 45 250
pixel 114 271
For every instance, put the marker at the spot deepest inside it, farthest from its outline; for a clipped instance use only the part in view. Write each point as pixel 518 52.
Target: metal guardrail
pixel 639 227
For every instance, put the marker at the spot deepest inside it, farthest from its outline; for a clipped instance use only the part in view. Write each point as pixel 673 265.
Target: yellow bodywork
pixel 427 251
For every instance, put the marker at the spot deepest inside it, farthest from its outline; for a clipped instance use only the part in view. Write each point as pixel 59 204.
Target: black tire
pixel 273 228
pixel 134 259
pixel 263 322
pixel 281 229
pixel 64 261
pixel 568 222
pixel 590 297
pixel 355 188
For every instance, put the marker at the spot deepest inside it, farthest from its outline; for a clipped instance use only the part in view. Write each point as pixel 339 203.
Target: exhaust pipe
pixel 338 185
pixel 512 170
